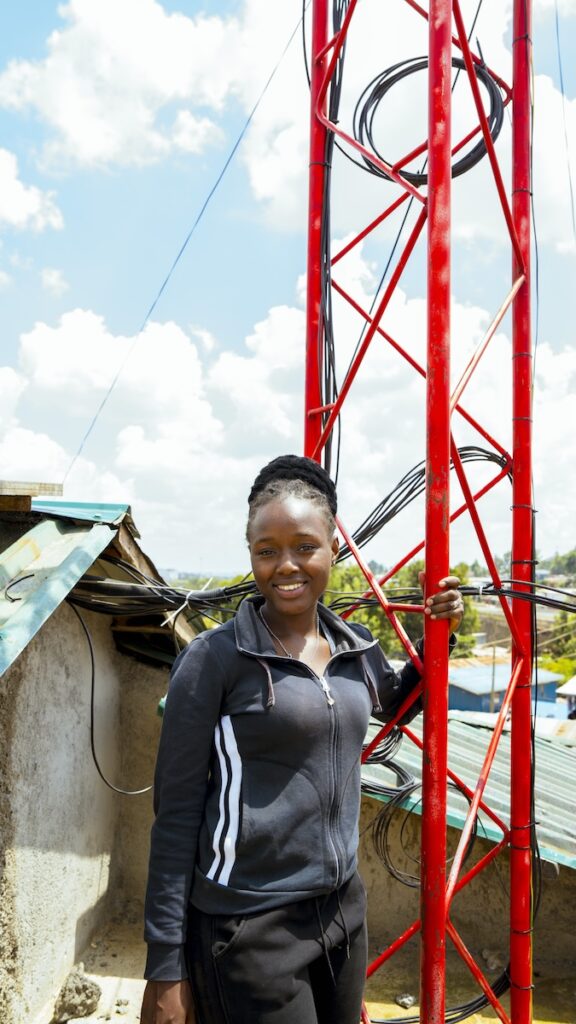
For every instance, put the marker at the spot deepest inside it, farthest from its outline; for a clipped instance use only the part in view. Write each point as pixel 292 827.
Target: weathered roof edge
pixel 47 562
pixel 93 512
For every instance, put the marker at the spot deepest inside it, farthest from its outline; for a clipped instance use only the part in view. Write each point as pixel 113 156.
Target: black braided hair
pixel 299 477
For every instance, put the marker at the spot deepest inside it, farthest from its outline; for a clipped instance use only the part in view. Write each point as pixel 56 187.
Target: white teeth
pixel 288 586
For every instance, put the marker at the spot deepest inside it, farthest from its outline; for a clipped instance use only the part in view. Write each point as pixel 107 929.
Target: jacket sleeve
pixel 394 687
pixel 192 710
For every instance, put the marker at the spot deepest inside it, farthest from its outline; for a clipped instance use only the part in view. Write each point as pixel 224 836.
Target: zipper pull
pixel 329 698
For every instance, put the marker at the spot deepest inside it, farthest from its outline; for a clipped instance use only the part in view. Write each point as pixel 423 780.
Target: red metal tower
pixel 447 38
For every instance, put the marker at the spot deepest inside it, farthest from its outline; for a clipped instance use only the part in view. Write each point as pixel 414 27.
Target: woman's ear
pixel 335 548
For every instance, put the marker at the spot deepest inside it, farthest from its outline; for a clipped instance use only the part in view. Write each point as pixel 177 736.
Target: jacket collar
pixel 253 638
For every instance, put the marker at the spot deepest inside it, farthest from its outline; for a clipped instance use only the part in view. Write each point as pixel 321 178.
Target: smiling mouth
pixel 287 587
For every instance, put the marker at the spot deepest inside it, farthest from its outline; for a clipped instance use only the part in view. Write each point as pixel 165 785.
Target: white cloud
pixel 111 75
pixel 20 262
pixel 126 83
pixel 111 94
pixel 5 280
pixel 24 206
pixel 276 149
pixel 80 358
pixel 261 387
pixel 53 281
pixel 12 386
pixel 193 134
pixel 33 455
pixel 207 340
pixel 564 6
pixel 188 426
pixel 551 162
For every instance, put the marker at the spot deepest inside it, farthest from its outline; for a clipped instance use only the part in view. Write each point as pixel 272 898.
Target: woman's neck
pixel 286 626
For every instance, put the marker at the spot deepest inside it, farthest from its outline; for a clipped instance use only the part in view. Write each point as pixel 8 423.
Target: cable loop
pixel 374 93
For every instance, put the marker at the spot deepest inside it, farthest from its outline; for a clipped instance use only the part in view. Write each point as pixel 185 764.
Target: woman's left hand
pixel 447 603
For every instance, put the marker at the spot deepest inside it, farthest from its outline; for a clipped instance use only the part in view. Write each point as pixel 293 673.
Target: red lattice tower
pixel 447 38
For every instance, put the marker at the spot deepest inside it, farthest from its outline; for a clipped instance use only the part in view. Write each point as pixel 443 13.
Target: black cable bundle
pixel 376 90
pixel 382 755
pixel 147 596
pixel 409 487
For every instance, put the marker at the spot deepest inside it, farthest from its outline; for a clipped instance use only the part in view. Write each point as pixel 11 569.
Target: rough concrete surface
pixel 554 993
pixel 9 974
pixel 59 820
pixel 70 848
pixel 78 997
pixel 115 960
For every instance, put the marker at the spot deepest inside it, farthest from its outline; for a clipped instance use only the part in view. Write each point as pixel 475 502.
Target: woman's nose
pixel 288 563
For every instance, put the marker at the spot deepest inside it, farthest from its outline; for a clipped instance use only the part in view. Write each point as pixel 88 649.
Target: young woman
pixel 255 913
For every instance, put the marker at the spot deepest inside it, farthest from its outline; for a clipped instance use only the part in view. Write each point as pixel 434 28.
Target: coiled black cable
pixel 377 89
pixel 406 490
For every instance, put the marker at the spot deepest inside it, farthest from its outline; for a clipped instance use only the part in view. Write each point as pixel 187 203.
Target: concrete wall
pixel 64 858
pixel 142 687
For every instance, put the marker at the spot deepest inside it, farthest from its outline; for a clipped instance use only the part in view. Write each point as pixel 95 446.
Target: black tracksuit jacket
pixel 257 786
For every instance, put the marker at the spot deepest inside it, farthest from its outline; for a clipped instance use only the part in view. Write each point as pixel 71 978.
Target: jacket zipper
pixel 331 704
pixel 329 698
pixel 334 803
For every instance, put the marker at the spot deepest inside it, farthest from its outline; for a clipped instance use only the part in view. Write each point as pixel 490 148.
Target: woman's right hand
pixel 167 1002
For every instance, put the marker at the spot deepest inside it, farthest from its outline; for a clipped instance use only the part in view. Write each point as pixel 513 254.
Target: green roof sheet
pixel 40 569
pixel 84 510
pixel 467 744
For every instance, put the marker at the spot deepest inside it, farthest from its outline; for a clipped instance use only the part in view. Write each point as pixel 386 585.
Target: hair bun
pixel 296 467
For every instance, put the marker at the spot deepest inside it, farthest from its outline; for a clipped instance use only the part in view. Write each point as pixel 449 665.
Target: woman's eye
pixel 307 547
pixel 265 553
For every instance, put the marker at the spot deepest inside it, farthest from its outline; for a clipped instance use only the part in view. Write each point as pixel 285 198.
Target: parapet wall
pixel 64 862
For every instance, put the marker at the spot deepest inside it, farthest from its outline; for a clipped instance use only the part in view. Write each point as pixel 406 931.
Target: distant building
pixel 568 693
pixel 481 686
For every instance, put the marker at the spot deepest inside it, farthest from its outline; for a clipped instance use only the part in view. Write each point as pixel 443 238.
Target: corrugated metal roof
pixel 467 745
pixel 39 569
pixel 561 730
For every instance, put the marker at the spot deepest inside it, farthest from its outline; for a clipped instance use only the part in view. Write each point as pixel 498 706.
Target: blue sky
pixel 116 117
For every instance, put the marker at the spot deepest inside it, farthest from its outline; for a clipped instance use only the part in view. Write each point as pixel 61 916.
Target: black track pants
pixel 282 966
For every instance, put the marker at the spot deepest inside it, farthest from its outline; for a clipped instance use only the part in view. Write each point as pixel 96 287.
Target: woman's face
pixel 291 551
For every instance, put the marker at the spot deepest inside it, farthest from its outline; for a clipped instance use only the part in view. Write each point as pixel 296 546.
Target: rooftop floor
pixel 115 960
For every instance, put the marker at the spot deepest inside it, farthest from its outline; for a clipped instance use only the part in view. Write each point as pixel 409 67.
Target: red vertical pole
pixel 522 526
pixel 316 193
pixel 434 763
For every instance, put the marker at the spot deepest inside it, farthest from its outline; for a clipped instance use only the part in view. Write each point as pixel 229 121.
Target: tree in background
pixel 561 565
pixel 347 579
pixel 558 650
